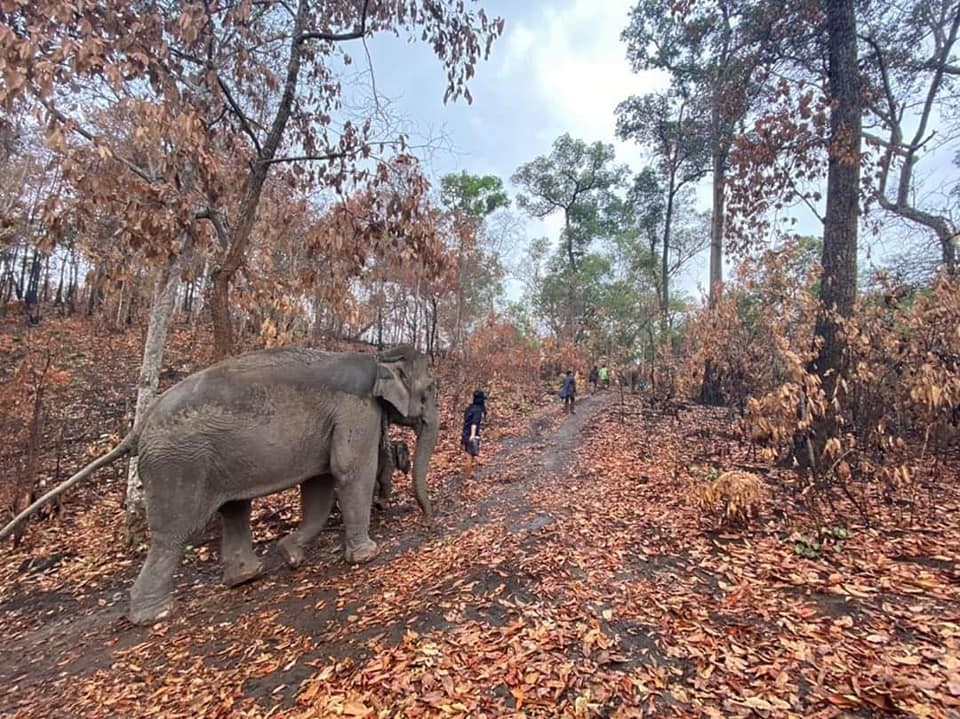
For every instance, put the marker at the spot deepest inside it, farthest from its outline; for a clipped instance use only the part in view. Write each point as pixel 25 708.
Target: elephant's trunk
pixel 427 432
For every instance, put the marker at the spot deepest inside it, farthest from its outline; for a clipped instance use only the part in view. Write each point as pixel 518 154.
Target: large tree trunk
pixel 838 284
pixel 161 310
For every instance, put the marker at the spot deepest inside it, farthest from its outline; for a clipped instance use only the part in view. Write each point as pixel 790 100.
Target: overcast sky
pixel 560 66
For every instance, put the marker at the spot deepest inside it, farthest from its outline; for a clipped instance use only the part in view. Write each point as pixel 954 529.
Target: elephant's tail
pixel 127 446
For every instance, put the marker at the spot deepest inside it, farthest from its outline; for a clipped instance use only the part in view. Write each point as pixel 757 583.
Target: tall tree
pixel 577 179
pixel 716 46
pixel 470 199
pixel 664 122
pixel 838 282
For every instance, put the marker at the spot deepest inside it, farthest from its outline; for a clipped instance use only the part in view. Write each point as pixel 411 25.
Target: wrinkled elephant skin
pixel 263 422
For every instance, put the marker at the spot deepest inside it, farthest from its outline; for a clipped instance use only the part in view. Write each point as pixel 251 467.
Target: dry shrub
pixel 503 361
pixel 881 438
pixel 732 499
pixel 894 411
pixel 768 308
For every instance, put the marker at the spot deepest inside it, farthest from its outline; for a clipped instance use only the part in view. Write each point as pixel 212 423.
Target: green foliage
pixel 470 200
pixel 578 179
pixel 474 195
pixel 826 538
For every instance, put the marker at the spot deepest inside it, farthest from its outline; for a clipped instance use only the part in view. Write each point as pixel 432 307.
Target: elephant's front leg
pixel 240 562
pixel 354 464
pixel 316 500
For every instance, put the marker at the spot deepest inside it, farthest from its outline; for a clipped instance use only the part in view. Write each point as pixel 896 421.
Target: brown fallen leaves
pixel 571 578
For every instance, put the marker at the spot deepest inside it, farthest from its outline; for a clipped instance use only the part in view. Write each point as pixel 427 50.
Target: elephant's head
pixel 405 383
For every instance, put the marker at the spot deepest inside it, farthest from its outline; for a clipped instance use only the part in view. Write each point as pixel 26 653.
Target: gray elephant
pixel 394 455
pixel 259 423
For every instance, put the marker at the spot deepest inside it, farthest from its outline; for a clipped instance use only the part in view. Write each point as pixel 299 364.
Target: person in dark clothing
pixel 470 437
pixel 593 379
pixel 568 392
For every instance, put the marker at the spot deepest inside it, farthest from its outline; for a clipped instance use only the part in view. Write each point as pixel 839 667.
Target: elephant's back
pixel 246 381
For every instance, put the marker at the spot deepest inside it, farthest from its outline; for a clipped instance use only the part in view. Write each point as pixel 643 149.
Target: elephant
pixel 259 423
pixel 394 455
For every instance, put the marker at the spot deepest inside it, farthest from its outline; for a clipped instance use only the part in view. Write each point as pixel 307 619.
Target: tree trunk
pixel 665 261
pixel 161 310
pixel 58 299
pixel 240 236
pixel 711 392
pixel 838 284
pixel 948 247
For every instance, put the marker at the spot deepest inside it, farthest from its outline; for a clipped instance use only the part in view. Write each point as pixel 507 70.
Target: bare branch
pixel 340 155
pixel 338 37
pixel 241 116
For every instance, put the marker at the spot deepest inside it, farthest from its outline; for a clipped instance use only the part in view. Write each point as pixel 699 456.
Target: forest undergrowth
pixel 577 574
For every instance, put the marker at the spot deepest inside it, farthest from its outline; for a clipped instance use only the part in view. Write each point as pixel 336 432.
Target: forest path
pixel 575 575
pixel 59 636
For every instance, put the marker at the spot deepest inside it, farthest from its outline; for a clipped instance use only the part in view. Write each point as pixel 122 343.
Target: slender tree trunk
pixel 58 299
pixel 161 310
pixel 22 286
pixel 665 262
pixel 711 391
pixel 572 311
pixel 458 326
pixel 45 294
pixel 74 279
pixel 223 339
pixel 838 284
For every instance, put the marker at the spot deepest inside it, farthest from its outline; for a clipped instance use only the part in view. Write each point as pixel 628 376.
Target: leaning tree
pixel 176 114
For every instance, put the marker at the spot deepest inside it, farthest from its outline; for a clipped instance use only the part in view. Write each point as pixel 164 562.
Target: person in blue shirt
pixel 470 437
pixel 568 392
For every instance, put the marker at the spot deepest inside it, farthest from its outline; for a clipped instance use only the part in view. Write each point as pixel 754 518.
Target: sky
pixel 558 67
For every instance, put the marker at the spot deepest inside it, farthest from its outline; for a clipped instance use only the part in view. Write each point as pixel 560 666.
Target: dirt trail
pixel 59 636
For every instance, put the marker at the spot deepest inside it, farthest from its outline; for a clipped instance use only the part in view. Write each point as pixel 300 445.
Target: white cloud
pixel 578 63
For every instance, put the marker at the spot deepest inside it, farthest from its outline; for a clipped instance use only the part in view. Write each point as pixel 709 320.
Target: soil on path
pixel 575 575
pixel 56 638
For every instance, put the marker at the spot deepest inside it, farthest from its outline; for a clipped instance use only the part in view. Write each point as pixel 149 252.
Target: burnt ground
pixel 571 576
pixel 73 632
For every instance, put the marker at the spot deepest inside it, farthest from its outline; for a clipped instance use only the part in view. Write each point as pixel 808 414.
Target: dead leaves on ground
pixel 572 578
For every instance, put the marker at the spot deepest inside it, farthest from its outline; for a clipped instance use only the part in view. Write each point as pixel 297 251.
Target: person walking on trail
pixel 593 379
pixel 568 393
pixel 470 438
pixel 604 377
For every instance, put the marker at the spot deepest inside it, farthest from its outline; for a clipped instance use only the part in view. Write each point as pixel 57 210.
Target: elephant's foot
pixel 240 571
pixel 142 613
pixel 291 551
pixel 363 552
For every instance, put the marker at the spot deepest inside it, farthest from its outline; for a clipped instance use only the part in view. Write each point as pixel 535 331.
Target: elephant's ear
pixel 390 386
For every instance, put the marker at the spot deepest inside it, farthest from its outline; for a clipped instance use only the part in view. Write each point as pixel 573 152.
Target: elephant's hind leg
pixel 240 562
pixel 175 513
pixel 316 500
pixel 151 597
